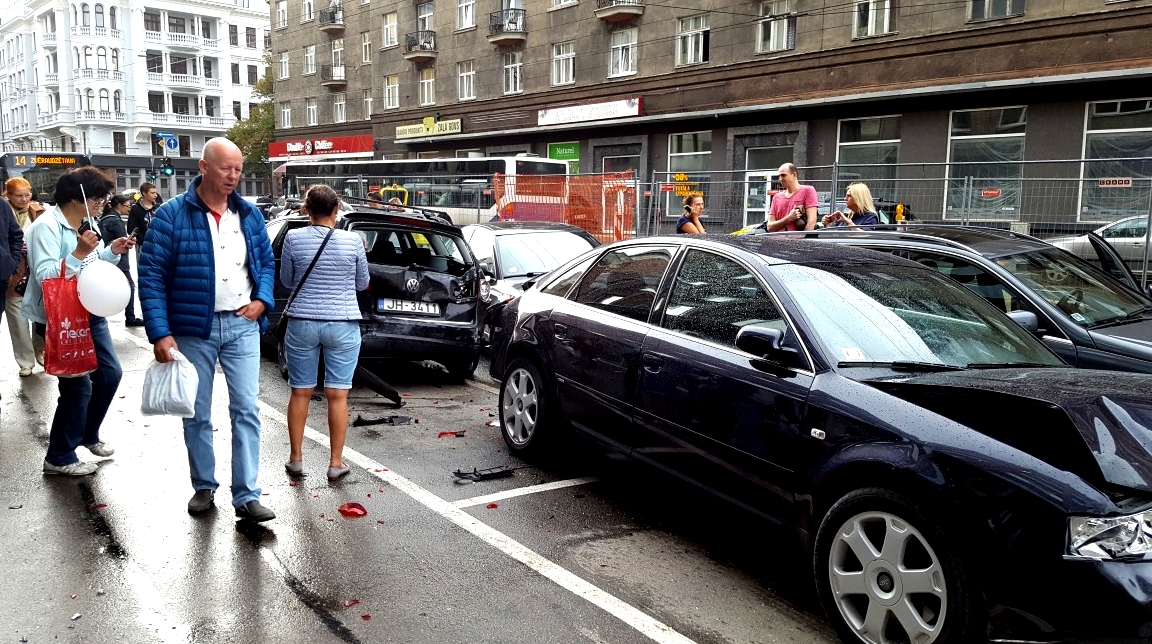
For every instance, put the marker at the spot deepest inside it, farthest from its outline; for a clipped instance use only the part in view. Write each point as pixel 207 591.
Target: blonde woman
pixel 861 213
pixel 27 347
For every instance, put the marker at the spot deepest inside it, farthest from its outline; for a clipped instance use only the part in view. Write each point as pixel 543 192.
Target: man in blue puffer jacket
pixel 206 278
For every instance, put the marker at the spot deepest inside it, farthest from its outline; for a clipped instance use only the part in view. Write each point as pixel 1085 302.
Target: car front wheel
pixel 525 405
pixel 887 574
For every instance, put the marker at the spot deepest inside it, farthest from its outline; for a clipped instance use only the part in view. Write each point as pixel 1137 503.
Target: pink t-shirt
pixel 782 205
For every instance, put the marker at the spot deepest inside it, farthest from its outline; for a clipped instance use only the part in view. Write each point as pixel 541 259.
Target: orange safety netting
pixel 602 204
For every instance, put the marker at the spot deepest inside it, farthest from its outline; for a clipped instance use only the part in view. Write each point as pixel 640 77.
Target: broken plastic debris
pixel 99 506
pixel 291 483
pixel 15 507
pixel 365 617
pixel 492 423
pixel 73 595
pixel 492 506
pixel 351 602
pixel 353 510
pixel 406 395
pixel 459 432
pixel 100 591
pixel 386 420
pixel 379 520
pixel 503 471
pixel 76 617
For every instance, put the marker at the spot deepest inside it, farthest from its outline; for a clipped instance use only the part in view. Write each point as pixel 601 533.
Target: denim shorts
pixel 302 343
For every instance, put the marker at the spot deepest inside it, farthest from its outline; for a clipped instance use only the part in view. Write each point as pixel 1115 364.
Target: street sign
pixel 1115 182
pixel 990 192
pixel 171 144
pixel 165 135
pixel 667 187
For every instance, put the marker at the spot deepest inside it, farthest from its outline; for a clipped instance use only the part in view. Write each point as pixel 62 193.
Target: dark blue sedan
pixel 952 478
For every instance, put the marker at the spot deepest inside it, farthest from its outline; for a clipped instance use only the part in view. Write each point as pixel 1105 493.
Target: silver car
pixel 1128 237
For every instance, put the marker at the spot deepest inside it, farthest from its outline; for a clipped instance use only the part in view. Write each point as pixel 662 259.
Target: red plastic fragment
pixel 379 520
pixel 406 395
pixel 353 510
pixel 458 432
pixel 365 617
pixel 351 602
pixel 99 506
pixel 291 483
pixel 416 420
pixel 492 506
pixel 369 495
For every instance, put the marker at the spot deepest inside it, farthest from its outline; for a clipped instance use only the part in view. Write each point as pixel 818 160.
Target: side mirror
pixel 766 343
pixel 1026 319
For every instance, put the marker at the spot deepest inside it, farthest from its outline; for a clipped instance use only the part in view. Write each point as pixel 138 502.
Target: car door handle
pixel 652 363
pixel 559 330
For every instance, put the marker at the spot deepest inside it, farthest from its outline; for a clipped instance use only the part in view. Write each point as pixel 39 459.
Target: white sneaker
pixel 100 449
pixel 79 468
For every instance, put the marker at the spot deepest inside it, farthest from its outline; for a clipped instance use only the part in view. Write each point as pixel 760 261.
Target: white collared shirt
pixel 230 250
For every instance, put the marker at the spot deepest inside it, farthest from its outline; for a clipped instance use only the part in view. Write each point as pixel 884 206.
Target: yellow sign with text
pixel 430 127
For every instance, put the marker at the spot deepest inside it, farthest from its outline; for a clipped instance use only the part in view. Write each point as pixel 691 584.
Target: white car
pixel 1128 237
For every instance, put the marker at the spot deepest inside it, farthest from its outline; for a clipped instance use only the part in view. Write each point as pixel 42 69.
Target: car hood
pixel 1137 332
pixel 1095 424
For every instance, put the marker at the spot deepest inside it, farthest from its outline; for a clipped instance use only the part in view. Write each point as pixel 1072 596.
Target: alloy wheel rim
pixel 887 581
pixel 519 407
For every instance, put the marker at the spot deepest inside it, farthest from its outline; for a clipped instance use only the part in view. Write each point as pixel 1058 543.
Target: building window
pixel 283 65
pixel 692 41
pixel 868 150
pixel 286 114
pixel 117 101
pixel 236 110
pixel 99 15
pixel 340 107
pixel 985 148
pixel 155 103
pixel 252 77
pixel 1117 130
pixel 307 10
pixel 424 13
pixel 112 20
pixel 338 52
pixel 623 53
pixel 105 100
pixel 466 71
pixel 310 59
pixel 311 112
pixel 176 24
pixel 233 33
pixel 282 14
pixel 250 37
pixel 235 73
pixel 690 152
pixel 391 92
pixel 871 18
pixel 989 9
pixel 465 14
pixel 390 37
pixel 367 98
pixel 428 86
pixel 562 3
pixel 119 143
pixel 777 26
pixel 152 22
pixel 366 47
pixel 564 63
pixel 514 72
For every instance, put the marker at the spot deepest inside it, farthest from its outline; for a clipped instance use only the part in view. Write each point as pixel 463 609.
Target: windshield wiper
pixel 1134 315
pixel 1008 365
pixel 903 365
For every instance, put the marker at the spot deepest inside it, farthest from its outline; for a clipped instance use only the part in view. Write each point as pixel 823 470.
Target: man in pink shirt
pixel 794 207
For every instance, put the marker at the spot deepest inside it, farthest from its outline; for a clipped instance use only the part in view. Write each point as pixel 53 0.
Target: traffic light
pixel 151 176
pixel 166 167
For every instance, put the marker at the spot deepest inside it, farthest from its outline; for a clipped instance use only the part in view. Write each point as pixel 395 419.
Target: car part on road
pixel 386 420
pixel 498 472
pixel 364 377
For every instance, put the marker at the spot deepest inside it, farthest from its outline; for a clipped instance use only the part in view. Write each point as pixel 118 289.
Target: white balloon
pixel 103 289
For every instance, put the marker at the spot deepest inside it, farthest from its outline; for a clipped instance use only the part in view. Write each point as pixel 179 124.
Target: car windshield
pixel 535 253
pixel 868 314
pixel 1079 289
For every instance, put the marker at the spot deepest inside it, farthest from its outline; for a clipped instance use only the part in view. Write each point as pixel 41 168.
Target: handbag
pixel 281 328
pixel 68 347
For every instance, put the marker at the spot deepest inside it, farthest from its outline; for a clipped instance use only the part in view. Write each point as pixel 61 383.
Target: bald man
pixel 206 278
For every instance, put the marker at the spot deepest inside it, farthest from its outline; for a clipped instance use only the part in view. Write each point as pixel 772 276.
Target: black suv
pixel 1091 318
pixel 422 301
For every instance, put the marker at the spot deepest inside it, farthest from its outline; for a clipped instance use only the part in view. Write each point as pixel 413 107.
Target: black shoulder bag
pixel 282 323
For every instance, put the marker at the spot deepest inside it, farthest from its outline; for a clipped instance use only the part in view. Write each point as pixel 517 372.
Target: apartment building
pixel 129 82
pixel 730 86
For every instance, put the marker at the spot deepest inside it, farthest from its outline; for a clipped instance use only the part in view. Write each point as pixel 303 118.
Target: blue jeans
pixel 234 341
pixel 340 340
pixel 84 400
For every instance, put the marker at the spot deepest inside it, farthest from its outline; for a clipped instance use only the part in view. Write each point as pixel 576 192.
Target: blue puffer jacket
pixel 177 272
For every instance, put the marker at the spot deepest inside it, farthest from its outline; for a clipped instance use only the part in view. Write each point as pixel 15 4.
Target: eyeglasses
pixel 99 201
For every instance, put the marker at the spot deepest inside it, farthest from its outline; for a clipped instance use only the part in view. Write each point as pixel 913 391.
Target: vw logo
pixel 308 147
pixel 412 285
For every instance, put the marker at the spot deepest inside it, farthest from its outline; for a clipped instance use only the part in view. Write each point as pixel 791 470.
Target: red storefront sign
pixel 321 147
pixel 990 193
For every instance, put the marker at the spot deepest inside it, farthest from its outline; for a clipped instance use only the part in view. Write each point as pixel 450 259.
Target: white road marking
pixel 654 629
pixel 522 491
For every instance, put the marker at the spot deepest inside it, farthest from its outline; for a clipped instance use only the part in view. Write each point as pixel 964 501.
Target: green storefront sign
pixel 569 152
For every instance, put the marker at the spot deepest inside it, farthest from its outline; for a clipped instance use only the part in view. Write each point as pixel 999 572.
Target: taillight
pixel 484 288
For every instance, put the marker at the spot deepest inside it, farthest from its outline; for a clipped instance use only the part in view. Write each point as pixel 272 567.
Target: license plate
pixel 389 305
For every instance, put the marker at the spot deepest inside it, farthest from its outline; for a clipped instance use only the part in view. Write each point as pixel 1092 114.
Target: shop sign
pixel 589 112
pixel 430 127
pixel 321 147
pixel 1115 182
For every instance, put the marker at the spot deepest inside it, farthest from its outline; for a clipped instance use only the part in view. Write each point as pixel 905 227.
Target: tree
pixel 253 134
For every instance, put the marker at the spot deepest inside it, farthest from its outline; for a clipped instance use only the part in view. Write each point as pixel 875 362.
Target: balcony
pixel 507 27
pixel 332 76
pixel 95 32
pixel 185 80
pixel 191 120
pixel 332 20
pixel 619 10
pixel 420 46
pixel 52 80
pixel 48 40
pixel 99 115
pixel 190 41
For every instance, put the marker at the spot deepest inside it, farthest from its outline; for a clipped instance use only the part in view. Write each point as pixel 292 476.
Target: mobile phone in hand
pixel 132 235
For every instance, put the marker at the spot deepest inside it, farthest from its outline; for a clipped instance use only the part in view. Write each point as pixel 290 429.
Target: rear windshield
pixel 405 248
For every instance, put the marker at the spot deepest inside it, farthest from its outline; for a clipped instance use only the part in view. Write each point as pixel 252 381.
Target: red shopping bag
pixel 68 346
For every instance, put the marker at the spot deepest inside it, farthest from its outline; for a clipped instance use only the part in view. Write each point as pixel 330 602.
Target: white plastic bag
pixel 170 388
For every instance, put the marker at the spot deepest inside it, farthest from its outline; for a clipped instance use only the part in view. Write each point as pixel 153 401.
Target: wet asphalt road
pixel 581 549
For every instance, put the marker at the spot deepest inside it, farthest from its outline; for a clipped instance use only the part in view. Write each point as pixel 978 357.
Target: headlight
pixel 1127 537
pixel 485 290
